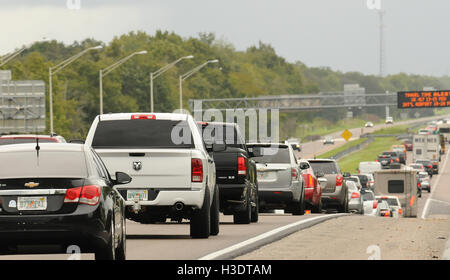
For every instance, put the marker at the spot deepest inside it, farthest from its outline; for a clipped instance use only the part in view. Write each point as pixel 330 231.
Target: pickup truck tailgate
pixel 151 168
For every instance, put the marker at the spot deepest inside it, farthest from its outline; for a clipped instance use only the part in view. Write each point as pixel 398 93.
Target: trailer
pixel 444 130
pixel 401 183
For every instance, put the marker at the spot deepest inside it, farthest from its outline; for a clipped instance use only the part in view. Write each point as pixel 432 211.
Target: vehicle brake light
pixel 355 195
pixel 143 117
pixel 375 204
pixel 242 167
pixel 392 160
pixel 339 180
pixel 72 195
pixel 294 173
pixel 90 195
pixel 400 211
pixel 311 180
pixel 397 160
pixel 196 170
pixel 430 166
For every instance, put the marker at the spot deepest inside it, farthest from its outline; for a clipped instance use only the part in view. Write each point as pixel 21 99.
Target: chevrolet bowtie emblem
pixel 31 184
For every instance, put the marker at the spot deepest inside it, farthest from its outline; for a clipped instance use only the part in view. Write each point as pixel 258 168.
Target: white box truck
pixel 426 147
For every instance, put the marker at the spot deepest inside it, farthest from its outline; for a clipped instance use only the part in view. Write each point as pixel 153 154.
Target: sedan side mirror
pixel 122 178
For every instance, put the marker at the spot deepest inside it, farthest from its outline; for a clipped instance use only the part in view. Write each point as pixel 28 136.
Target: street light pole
pixel 160 71
pixel 55 69
pixel 190 73
pixel 6 58
pixel 110 68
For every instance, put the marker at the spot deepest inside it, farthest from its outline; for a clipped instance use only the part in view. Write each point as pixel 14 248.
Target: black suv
pixel 235 172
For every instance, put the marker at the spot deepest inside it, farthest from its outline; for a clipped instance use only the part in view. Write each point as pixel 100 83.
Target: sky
pixel 340 34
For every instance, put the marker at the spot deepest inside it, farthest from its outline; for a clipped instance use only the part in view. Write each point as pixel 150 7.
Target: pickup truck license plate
pixel 31 203
pixel 137 195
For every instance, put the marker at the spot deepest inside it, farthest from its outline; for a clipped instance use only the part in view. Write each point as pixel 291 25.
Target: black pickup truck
pixel 236 173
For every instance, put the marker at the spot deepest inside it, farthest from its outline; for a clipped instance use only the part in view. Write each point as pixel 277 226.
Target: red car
pixel 408 145
pixel 313 191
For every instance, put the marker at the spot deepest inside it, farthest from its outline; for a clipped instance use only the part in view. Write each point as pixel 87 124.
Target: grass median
pixel 348 145
pixel 351 162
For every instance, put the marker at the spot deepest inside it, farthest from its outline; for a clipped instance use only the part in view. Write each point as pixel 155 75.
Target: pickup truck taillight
pixel 339 180
pixel 375 204
pixel 294 173
pixel 89 195
pixel 242 167
pixel 196 170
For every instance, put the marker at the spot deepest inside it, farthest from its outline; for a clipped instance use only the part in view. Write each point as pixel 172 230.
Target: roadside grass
pixel 351 162
pixel 342 148
pixel 321 128
pixel 399 129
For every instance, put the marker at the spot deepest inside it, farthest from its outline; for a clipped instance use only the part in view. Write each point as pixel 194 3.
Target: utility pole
pixel 381 13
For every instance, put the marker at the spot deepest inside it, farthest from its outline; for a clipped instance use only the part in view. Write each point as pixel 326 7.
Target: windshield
pixel 273 155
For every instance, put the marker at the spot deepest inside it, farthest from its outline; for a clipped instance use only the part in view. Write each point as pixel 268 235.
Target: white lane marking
pixel 262 236
pixel 440 201
pixel 434 187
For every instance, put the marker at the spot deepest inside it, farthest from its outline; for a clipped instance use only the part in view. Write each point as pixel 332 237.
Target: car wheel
pixel 122 248
pixel 108 252
pixel 299 207
pixel 200 221
pixel 255 210
pixel 215 212
pixel 244 217
pixel 318 208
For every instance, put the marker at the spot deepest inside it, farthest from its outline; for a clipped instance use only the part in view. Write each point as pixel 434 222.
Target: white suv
pixel 173 174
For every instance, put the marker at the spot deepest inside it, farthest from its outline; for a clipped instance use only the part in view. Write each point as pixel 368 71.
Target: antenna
pixel 38 148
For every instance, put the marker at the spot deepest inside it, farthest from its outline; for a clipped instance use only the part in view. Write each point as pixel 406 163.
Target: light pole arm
pixel 110 68
pixel 193 71
pixel 5 59
pixel 60 66
pixel 165 68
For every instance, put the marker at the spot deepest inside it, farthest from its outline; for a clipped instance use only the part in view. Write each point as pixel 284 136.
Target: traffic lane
pixel 171 241
pixel 437 203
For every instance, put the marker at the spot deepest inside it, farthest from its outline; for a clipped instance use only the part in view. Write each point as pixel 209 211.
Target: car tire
pixel 244 217
pixel 344 207
pixel 215 213
pixel 255 210
pixel 299 207
pixel 200 223
pixel 108 252
pixel 121 250
pixel 317 208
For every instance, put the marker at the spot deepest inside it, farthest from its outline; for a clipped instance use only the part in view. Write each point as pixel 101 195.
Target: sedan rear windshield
pixel 273 155
pixel 391 201
pixel 327 167
pixel 122 134
pixel 48 164
pixel 9 141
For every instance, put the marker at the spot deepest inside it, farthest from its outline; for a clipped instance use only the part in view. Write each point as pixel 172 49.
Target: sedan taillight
pixel 89 195
pixel 196 170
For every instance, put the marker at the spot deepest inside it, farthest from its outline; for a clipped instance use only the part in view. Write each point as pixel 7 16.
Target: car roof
pixel 158 116
pixel 44 147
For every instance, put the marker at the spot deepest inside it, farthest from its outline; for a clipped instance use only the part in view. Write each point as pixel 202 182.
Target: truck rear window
pixel 144 133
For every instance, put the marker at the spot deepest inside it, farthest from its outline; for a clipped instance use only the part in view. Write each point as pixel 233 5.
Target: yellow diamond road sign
pixel 347 135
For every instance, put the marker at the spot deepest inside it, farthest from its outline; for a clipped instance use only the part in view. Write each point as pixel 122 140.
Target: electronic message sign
pixel 423 99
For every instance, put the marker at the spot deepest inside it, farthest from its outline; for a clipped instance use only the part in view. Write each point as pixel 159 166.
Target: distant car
pixel 385 160
pixel 427 164
pixel 424 132
pixel 355 202
pixel 394 205
pixel 313 191
pixel 295 143
pixel 280 184
pixel 435 166
pixel 355 179
pixel 383 209
pixel 328 140
pixel 424 181
pixel 61 195
pixel 30 138
pixel 389 120
pixel 368 124
pixel 408 145
pixel 417 166
pixel 368 167
pixel 370 204
pixel 395 156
